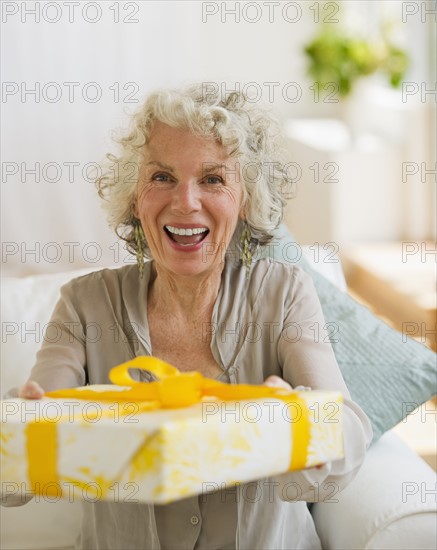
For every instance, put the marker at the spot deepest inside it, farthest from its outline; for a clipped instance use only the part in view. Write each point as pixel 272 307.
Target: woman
pixel 208 191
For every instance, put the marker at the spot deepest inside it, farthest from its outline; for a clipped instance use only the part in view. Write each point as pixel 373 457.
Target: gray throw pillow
pixel 387 373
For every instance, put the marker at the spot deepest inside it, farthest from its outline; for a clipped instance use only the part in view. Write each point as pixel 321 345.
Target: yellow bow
pixel 173 389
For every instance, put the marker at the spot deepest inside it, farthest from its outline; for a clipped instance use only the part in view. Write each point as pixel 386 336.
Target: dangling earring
pixel 246 252
pixel 139 241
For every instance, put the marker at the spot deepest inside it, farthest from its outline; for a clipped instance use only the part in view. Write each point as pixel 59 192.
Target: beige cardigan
pixel 271 323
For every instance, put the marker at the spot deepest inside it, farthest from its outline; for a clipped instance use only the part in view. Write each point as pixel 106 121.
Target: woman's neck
pixel 183 296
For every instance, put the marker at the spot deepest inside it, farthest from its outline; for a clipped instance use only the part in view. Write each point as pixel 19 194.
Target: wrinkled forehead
pixel 171 140
pixel 182 150
pixel 173 128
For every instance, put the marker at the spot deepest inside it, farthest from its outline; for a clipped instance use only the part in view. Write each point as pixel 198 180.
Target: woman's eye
pixel 213 179
pixel 161 177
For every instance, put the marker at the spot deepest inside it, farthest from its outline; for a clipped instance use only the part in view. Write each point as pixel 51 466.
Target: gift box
pixel 162 441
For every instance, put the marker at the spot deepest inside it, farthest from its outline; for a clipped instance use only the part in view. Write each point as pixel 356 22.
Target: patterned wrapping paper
pixel 111 450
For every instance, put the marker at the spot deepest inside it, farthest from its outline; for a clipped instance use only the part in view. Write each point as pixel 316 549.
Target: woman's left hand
pixel 277 382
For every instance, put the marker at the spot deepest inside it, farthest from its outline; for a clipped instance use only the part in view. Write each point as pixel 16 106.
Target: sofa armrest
pixel 390 504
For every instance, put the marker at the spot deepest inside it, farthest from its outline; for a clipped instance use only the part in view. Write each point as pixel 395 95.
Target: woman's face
pixel 189 200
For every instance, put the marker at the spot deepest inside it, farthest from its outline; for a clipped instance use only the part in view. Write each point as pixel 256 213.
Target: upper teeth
pixel 182 231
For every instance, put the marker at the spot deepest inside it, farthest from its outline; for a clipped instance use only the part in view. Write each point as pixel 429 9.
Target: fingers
pixel 31 390
pixel 276 382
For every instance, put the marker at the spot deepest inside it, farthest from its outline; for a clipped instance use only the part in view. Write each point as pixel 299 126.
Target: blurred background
pixel 362 152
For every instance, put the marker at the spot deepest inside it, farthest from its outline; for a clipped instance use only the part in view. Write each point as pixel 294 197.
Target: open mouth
pixel 186 236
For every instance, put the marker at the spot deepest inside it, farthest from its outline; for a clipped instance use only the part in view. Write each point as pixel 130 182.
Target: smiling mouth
pixel 186 236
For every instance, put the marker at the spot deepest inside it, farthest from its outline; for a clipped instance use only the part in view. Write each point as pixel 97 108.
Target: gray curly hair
pixel 247 132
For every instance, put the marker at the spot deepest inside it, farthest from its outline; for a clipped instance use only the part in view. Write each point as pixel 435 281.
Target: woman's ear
pixel 243 211
pixel 243 205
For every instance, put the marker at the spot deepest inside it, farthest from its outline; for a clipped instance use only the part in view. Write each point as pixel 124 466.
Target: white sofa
pixel 390 503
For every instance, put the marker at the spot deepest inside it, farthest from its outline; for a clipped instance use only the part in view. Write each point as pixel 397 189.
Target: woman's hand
pixel 31 390
pixel 276 382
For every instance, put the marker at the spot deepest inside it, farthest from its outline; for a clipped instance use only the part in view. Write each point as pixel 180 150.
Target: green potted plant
pixel 339 59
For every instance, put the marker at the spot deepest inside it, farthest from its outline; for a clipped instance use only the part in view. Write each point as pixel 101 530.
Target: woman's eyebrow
pixel 209 167
pixel 206 168
pixel 160 165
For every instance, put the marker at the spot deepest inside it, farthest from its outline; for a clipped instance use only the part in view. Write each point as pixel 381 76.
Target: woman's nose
pixel 186 197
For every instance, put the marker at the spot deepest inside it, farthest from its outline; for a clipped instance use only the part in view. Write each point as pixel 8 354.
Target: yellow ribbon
pixel 41 442
pixel 172 390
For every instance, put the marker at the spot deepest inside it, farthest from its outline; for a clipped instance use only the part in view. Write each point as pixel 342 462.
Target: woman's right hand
pixel 31 390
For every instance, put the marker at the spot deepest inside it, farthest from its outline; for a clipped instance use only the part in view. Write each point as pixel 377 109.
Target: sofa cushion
pixel 26 307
